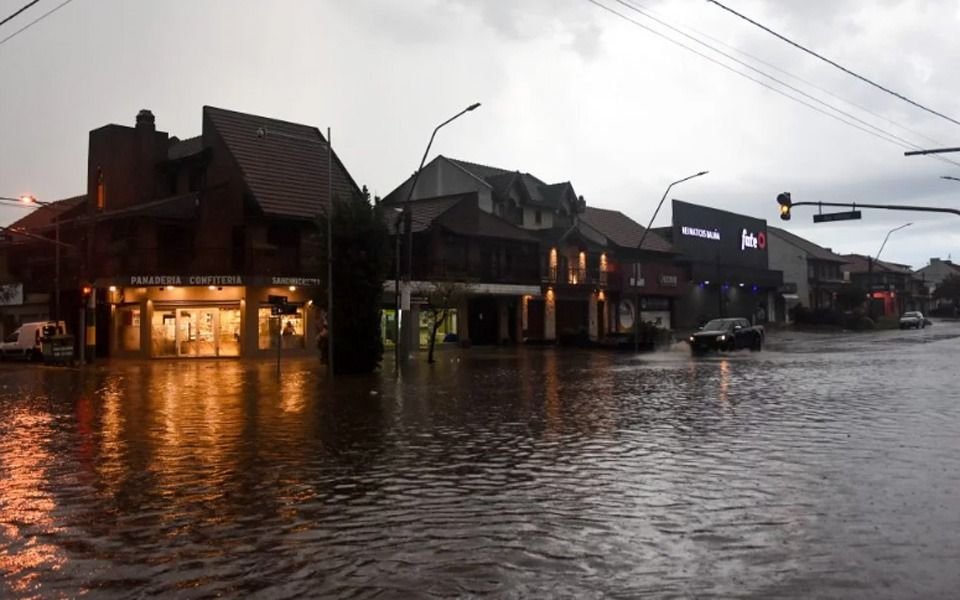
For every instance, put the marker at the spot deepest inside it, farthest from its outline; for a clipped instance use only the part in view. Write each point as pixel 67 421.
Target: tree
pixel 441 301
pixel 949 289
pixel 360 251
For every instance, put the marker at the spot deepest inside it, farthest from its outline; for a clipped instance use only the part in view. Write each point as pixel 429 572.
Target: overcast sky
pixel 569 92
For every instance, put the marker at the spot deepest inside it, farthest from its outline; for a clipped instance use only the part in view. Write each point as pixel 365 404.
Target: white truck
pixel 27 341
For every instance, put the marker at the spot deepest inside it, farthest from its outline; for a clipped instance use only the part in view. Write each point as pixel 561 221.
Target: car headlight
pixel 691 339
pixel 723 338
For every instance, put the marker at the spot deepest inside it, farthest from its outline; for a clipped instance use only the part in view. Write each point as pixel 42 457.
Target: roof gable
pixel 284 164
pixel 622 230
pixel 813 250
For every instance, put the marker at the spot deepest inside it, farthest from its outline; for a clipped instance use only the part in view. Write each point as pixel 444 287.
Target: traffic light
pixel 783 199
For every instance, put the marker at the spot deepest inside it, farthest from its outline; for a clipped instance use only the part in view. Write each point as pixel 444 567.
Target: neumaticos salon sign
pixel 719 237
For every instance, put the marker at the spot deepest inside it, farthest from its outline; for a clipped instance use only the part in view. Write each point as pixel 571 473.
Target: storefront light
pixel 706 282
pixel 112 288
pixel 211 287
pixel 293 288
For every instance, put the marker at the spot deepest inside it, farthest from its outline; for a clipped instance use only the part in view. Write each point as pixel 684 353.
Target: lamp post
pixel 643 236
pixel 870 261
pixel 407 217
pixel 28 200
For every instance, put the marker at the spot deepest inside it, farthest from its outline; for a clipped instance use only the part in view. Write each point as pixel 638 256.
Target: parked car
pixel 914 319
pixel 26 342
pixel 727 334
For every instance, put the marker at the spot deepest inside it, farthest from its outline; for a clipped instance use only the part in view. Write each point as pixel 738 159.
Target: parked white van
pixel 25 341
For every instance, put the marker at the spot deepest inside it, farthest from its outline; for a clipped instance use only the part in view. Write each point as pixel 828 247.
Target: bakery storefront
pixel 210 316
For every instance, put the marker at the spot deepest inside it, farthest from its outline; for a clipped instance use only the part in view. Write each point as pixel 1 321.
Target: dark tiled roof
pixel 538 192
pixel 471 221
pixel 857 263
pixel 813 250
pixel 481 171
pixel 284 164
pixel 487 225
pixel 422 212
pixel 553 195
pixel 183 148
pixel 44 216
pixel 622 230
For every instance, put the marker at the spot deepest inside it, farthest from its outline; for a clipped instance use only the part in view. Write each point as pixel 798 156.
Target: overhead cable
pixel 834 63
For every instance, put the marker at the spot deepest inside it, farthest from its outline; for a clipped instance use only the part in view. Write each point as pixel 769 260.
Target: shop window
pixel 128 328
pixel 447 331
pixel 289 328
pixel 388 327
pixel 163 333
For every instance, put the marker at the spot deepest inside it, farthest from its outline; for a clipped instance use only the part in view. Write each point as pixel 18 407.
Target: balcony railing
pixel 576 277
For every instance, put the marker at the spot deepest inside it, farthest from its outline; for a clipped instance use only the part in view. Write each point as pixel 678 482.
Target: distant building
pixel 933 274
pixel 892 288
pixel 28 266
pixel 811 274
pixel 184 240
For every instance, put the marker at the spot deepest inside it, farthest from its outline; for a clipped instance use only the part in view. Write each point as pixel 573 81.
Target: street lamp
pixel 406 217
pixel 904 226
pixel 643 236
pixel 870 263
pixel 28 200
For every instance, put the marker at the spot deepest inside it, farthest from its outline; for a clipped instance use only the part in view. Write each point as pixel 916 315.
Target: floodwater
pixel 827 465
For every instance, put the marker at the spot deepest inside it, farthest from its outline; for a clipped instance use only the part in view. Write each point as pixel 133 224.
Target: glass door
pixel 187 333
pixel 228 337
pixel 207 325
pixel 163 334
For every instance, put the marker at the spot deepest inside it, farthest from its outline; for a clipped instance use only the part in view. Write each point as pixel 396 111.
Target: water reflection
pixel 26 505
pixel 543 473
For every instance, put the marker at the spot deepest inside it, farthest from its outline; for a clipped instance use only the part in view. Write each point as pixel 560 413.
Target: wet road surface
pixel 827 465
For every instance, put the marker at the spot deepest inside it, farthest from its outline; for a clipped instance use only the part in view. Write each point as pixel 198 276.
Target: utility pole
pixel 329 253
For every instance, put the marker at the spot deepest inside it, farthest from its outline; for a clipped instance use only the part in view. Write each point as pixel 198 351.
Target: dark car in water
pixel 727 334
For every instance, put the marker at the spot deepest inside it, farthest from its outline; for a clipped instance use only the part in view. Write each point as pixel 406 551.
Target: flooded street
pixel 827 465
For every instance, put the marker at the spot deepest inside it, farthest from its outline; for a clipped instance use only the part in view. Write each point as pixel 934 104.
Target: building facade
pixel 812 274
pixel 891 288
pixel 563 277
pixel 184 242
pixel 726 254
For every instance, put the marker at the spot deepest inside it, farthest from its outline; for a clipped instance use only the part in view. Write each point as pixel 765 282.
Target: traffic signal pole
pixel 786 205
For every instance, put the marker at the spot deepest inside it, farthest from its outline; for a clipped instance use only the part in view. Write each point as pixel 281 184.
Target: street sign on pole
pixel 840 216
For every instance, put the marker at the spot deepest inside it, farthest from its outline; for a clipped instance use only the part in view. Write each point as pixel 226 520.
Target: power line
pixel 871 129
pixel 23 8
pixel 835 64
pixel 804 81
pixel 34 22
pixel 772 78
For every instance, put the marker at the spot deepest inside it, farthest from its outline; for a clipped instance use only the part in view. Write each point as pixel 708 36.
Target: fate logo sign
pixel 749 240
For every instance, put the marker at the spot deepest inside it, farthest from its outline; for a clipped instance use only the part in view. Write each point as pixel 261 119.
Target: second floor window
pixel 538 217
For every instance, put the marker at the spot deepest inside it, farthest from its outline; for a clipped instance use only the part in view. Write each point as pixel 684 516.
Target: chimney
pixel 145 120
